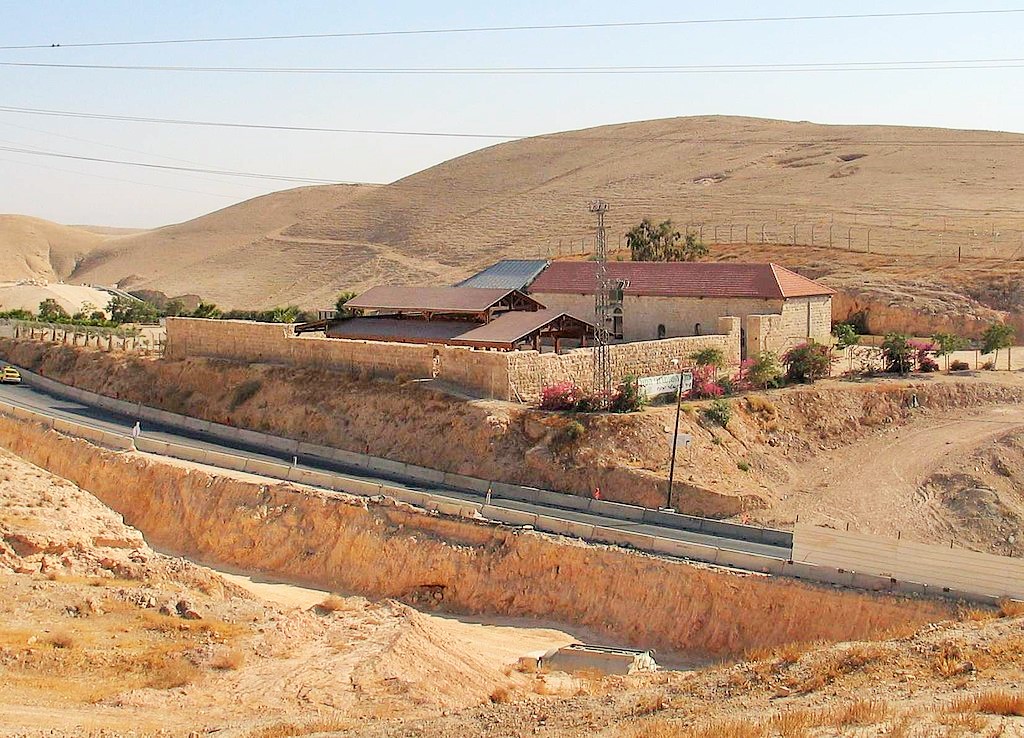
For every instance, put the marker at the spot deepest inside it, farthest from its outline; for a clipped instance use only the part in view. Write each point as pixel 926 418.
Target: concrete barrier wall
pixel 887 559
pixel 291 447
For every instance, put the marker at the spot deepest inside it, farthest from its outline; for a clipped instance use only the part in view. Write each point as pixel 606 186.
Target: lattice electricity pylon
pixel 602 310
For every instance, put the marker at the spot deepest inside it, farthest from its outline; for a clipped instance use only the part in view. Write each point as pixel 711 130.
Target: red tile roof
pixel 680 279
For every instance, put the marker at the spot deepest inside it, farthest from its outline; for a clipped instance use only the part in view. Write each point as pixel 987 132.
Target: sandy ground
pixel 873 485
pixel 98 638
pixel 83 597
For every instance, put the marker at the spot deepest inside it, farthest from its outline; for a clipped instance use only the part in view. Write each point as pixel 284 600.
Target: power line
pixel 219 180
pixel 147 165
pixel 118 179
pixel 869 66
pixel 47 112
pixel 534 27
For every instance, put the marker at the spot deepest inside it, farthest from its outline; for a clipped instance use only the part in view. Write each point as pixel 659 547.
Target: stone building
pixel 777 308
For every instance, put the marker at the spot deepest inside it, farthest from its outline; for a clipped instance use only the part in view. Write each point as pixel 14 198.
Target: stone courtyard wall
pixel 515 375
pixel 529 372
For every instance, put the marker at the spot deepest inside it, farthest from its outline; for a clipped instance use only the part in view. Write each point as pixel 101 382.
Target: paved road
pixel 58 407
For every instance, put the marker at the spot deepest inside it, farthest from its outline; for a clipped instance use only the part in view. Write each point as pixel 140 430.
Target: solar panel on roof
pixel 513 274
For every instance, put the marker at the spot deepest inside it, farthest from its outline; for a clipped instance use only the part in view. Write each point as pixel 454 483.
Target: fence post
pixel 730 233
pixel 794 234
pixel 762 233
pixel 812 234
pixel 830 235
pixel 849 239
pixel 746 233
pixel 700 236
pixel 869 240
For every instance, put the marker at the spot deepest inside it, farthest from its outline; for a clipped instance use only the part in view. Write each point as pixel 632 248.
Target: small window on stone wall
pixel 696 329
pixel 661 331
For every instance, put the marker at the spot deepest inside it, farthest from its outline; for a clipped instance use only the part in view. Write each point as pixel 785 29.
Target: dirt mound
pixel 100 635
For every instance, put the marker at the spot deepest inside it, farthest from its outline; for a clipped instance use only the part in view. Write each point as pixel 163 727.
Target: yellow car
pixel 10 375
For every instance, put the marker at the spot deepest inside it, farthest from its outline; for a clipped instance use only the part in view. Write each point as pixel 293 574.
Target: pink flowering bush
pixel 561 396
pixel 704 384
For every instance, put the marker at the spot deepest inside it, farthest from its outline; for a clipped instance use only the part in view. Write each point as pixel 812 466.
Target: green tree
pixel 897 353
pixel 50 311
pixel 997 336
pixel 128 310
pixel 709 357
pixel 846 335
pixel 807 362
pixel 206 310
pixel 17 314
pixel 948 343
pixel 281 314
pixel 174 308
pixel 649 242
pixel 339 305
pixel 765 370
pixel 713 357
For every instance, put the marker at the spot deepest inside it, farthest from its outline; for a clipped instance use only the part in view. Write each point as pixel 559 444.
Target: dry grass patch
pixel 293 729
pixel 998 702
pixel 861 712
pixel 177 672
pixel 501 695
pixel 825 670
pixel 228 660
pixel 62 639
pixel 1011 608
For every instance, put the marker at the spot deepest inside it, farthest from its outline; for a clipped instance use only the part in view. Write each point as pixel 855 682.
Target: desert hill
pixel 33 248
pixel 219 255
pixel 921 191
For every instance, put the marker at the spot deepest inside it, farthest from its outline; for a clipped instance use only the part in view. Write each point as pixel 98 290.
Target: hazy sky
pixel 101 193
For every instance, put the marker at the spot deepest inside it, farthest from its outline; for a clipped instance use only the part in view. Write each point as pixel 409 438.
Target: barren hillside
pixel 33 248
pixel 220 256
pixel 919 190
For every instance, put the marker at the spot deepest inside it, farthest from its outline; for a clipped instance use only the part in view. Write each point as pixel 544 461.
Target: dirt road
pixel 873 485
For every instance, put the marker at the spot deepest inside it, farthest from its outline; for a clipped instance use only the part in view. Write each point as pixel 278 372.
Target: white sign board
pixel 665 384
pixel 683 440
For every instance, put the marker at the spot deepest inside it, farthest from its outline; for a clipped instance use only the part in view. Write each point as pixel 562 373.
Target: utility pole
pixel 602 309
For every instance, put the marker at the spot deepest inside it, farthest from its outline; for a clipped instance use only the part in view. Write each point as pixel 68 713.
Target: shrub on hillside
pixel 567 397
pixel 807 362
pixel 719 412
pixel 628 398
pixel 245 392
pixel 928 364
pixel 959 366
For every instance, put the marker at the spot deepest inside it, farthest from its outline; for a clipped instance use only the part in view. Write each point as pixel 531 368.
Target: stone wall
pixel 515 375
pixel 801 318
pixel 641 315
pixel 529 372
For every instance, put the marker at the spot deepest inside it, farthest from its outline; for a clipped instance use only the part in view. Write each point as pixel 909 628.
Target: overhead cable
pixel 527 28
